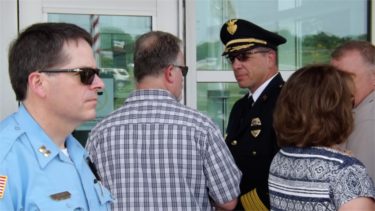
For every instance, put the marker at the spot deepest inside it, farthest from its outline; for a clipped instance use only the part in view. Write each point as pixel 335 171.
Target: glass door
pixel 114 26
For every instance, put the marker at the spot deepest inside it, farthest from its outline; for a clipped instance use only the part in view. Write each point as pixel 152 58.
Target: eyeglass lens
pixel 87 75
pixel 243 56
pixel 184 69
pixel 240 57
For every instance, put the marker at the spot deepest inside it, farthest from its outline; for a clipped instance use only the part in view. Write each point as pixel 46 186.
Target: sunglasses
pixel 87 74
pixel 184 69
pixel 244 56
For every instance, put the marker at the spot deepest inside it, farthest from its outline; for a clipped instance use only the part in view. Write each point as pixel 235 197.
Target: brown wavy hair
pixel 315 107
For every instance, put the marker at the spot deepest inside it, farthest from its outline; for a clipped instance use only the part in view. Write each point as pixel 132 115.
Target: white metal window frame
pixel 161 11
pixel 167 15
pixel 195 75
pixel 8 25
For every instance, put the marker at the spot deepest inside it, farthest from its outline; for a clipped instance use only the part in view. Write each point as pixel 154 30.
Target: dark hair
pixel 38 47
pixel 314 107
pixel 365 48
pixel 154 51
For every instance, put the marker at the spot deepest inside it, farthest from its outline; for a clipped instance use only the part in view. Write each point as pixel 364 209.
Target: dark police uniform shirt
pixel 252 140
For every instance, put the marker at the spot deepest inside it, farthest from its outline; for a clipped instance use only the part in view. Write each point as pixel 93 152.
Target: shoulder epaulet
pixel 9 133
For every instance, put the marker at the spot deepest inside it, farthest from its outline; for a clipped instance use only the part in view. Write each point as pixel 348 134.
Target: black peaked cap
pixel 240 35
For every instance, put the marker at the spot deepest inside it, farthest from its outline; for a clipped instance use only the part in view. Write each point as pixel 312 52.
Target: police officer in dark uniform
pixel 252 52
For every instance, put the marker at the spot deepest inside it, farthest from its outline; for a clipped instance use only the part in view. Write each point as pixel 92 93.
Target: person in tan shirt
pixel 358 58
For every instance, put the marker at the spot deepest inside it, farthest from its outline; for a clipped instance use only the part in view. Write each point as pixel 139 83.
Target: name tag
pixel 61 196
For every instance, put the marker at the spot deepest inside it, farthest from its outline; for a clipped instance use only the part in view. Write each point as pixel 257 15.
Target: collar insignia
pixel 44 151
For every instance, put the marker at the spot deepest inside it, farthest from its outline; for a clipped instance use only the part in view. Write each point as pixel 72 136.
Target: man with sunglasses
pixel 154 153
pixel 252 53
pixel 42 166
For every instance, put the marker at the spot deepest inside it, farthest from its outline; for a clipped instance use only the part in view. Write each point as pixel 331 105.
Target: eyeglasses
pixel 87 74
pixel 184 69
pixel 243 56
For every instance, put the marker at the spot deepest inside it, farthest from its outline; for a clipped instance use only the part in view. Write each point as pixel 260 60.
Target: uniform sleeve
pixel 222 175
pixel 96 156
pixel 352 182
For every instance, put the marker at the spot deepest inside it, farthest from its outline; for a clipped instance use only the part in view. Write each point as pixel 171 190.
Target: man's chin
pixel 90 116
pixel 242 86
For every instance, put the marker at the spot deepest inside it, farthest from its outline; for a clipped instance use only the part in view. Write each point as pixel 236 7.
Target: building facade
pixel 313 28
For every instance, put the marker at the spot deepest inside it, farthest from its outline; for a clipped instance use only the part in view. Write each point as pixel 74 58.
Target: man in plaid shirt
pixel 154 153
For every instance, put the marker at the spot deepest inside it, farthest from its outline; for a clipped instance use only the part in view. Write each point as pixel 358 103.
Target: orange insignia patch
pixel 3 183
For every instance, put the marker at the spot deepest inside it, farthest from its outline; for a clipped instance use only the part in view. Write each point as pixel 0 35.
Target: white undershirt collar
pixel 262 87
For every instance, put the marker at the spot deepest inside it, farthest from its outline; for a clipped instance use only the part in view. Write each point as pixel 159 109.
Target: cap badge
pixel 255 127
pixel 231 26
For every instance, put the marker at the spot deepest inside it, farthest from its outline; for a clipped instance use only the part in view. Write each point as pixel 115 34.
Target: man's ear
pixel 36 83
pixel 168 74
pixel 272 57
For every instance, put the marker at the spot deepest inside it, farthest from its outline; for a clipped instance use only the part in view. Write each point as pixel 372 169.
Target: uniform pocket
pixel 57 201
pixel 104 196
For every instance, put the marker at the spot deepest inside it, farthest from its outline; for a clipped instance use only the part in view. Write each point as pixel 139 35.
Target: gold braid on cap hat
pixel 246 40
pixel 237 48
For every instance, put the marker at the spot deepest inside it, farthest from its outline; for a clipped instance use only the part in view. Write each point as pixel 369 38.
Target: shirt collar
pixel 369 99
pixel 44 148
pixel 259 91
pixel 150 94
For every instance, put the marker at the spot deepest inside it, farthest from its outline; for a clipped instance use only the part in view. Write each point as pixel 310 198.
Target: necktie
pixel 251 101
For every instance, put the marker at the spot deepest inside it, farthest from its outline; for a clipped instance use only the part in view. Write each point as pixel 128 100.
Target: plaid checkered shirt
pixel 154 153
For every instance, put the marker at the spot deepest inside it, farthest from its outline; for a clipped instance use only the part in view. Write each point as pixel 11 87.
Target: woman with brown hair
pixel 313 116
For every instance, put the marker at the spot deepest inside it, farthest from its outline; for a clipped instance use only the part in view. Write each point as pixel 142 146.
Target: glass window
pixel 114 38
pixel 217 99
pixel 313 28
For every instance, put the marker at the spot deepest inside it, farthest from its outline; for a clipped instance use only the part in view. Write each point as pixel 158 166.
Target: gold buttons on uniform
pixel 254 153
pixel 44 151
pixel 234 143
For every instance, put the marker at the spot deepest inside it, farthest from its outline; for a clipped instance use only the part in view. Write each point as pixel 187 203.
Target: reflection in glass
pixel 117 35
pixel 216 101
pixel 114 38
